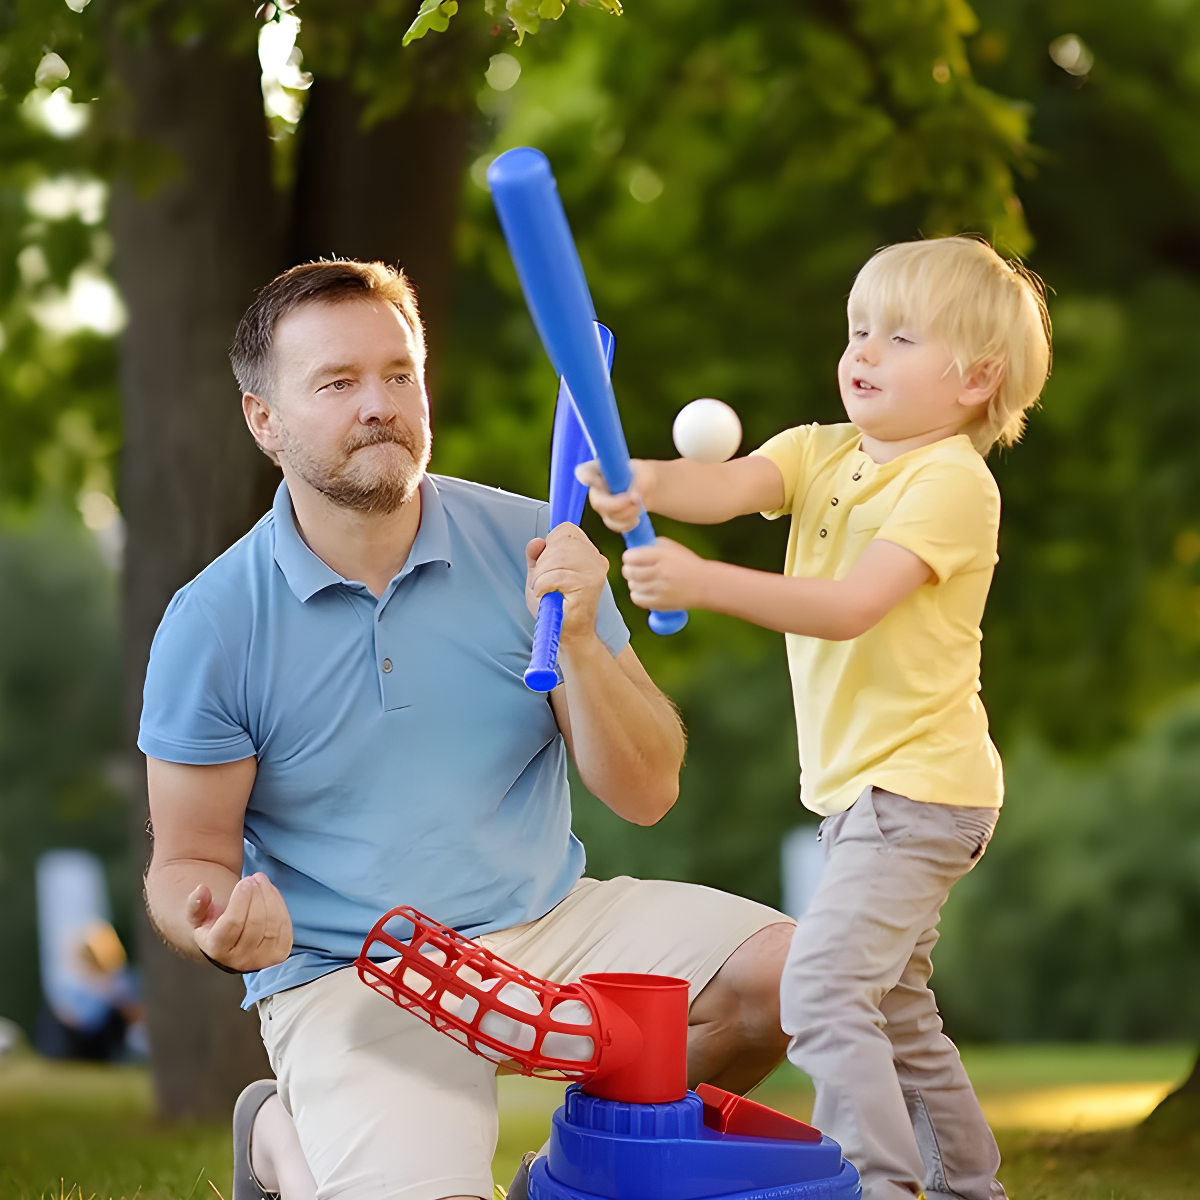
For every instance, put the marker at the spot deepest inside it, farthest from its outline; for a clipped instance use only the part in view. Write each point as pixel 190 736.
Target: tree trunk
pixel 1178 1114
pixel 189 254
pixel 388 193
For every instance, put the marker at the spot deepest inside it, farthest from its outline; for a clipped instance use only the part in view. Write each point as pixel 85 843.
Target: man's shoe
pixel 519 1188
pixel 245 1184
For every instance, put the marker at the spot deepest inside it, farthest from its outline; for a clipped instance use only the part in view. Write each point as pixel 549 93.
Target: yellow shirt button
pixel 824 532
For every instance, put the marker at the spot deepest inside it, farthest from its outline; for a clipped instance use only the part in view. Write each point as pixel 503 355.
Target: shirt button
pixel 834 502
pixel 856 478
pixel 386 666
pixel 824 532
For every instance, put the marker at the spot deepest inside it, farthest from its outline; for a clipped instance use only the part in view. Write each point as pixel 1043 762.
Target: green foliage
pixel 433 14
pixel 525 16
pixel 1093 617
pixel 739 793
pixel 1082 919
pixel 725 172
pixel 59 420
pixel 364 42
pixel 60 728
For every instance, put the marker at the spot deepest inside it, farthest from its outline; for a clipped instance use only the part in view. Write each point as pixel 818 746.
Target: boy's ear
pixel 981 382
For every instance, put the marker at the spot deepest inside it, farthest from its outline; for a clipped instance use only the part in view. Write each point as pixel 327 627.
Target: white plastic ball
pixel 571 1012
pixel 568 1046
pixel 707 431
pixel 507 1029
pixel 467 1006
pixel 572 1047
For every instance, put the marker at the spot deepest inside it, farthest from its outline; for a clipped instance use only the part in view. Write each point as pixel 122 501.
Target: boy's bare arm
pixel 194 895
pixel 668 575
pixel 700 493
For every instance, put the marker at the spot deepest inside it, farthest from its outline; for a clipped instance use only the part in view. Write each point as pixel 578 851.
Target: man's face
pixel 349 413
pixel 896 382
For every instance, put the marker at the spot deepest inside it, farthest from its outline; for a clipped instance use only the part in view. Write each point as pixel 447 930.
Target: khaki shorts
pixel 389 1109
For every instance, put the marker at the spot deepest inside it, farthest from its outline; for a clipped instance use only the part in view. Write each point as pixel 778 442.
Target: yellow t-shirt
pixel 898 707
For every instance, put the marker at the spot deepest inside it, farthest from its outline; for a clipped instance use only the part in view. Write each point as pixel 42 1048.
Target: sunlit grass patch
pixel 1052 1087
pixel 1098 1166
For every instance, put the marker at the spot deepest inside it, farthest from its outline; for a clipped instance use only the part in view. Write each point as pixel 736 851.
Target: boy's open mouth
pixel 861 385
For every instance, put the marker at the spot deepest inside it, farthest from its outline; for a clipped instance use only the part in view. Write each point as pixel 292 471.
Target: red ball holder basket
pixel 636 1024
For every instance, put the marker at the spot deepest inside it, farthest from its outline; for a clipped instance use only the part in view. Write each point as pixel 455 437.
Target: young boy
pixel 889 560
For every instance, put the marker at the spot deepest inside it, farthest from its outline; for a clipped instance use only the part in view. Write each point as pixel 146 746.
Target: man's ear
pixel 261 422
pixel 981 383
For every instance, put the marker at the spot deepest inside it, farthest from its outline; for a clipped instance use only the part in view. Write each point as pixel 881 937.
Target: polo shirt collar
pixel 307 574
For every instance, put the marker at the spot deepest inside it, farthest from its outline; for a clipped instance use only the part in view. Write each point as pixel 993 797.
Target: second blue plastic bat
pixel 569 447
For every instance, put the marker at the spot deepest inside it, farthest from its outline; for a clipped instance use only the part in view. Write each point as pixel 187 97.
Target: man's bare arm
pixel 623 734
pixel 194 893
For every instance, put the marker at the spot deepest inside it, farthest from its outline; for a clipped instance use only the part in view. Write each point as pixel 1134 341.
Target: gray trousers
pixel 856 1000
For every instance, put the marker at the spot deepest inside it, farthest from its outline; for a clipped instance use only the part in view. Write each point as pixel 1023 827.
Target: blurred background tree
pixel 726 170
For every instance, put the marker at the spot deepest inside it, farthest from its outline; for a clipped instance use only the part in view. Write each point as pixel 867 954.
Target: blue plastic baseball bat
pixel 569 447
pixel 556 291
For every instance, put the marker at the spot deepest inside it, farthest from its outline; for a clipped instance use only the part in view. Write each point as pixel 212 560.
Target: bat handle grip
pixel 541 676
pixel 667 622
pixel 661 622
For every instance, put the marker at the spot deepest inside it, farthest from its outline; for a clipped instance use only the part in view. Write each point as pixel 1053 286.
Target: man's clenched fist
pixel 252 931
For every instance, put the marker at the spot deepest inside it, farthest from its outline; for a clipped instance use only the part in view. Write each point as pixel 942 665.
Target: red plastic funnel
pixel 657 1008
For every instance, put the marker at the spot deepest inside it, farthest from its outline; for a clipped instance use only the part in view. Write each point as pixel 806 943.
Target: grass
pixel 1098 1166
pixel 79 1132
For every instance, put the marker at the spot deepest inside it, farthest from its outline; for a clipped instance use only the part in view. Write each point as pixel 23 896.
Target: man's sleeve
pixel 610 625
pixel 191 707
pixel 949 517
pixel 789 451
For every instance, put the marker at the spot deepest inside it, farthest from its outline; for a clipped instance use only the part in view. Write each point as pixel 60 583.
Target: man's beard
pixel 350 484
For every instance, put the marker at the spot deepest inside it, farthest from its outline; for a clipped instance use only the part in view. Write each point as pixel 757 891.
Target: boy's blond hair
pixel 983 307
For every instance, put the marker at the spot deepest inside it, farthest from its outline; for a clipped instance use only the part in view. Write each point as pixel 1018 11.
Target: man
pixel 335 723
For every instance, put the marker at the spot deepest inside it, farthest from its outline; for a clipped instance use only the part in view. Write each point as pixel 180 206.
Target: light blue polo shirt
pixel 401 758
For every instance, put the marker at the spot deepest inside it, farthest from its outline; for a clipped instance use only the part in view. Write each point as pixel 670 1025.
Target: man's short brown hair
pixel 322 282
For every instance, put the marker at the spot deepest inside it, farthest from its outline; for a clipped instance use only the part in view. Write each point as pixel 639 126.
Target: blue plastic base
pixel 606 1150
pixel 844 1186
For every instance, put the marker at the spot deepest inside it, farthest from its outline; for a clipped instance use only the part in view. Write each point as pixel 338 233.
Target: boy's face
pixel 897 383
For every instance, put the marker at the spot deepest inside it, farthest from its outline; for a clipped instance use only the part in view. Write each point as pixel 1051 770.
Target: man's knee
pixel 745 992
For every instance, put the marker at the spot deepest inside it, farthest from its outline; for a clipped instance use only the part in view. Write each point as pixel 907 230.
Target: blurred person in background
pixel 91 1009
